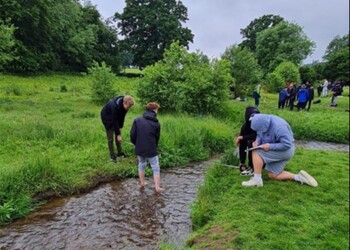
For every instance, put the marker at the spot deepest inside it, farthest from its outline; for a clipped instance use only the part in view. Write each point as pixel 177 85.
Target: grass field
pixel 280 215
pixel 52 142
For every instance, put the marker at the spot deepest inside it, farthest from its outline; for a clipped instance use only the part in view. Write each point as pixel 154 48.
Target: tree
pixel 150 26
pixel 285 72
pixel 57 35
pixel 257 25
pixel 244 69
pixel 307 74
pixel 337 44
pixel 283 42
pixel 184 82
pixel 6 43
pixel 102 79
pixel 337 59
pixel 337 66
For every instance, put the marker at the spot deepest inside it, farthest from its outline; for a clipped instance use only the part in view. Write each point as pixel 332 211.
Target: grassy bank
pixel 53 142
pixel 281 215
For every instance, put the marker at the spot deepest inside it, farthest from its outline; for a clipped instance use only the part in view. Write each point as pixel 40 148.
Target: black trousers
pixel 111 136
pixel 243 145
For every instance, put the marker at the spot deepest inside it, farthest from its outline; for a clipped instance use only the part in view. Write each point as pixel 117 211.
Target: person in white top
pixel 325 88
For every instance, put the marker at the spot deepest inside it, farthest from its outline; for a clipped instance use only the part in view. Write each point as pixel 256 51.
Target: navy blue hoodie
pixel 145 134
pixel 113 114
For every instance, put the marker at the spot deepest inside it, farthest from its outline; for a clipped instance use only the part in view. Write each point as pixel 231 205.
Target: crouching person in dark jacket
pixel 113 116
pixel 145 134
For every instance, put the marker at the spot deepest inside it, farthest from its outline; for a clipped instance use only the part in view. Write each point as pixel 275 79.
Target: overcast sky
pixel 216 24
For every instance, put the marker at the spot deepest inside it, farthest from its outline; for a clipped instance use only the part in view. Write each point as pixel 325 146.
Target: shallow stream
pixel 118 215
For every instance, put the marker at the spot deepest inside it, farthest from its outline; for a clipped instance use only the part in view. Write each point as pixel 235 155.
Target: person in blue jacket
pixel 282 97
pixel 303 96
pixel 276 142
pixel 145 135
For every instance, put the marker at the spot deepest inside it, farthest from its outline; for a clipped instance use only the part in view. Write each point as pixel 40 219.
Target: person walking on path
pixel 276 147
pixel 113 116
pixel 145 135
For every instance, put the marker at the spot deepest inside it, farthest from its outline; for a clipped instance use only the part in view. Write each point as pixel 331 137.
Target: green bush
pixel 185 82
pixel 102 79
pixel 284 73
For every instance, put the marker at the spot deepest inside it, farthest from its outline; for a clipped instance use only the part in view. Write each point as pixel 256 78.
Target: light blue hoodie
pixel 273 130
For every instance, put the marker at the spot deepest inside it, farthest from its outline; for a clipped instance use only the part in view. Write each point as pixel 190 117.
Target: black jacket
pixel 246 131
pixel 113 114
pixel 145 134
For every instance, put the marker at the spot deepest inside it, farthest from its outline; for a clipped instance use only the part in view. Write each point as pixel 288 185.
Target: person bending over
pixel 113 116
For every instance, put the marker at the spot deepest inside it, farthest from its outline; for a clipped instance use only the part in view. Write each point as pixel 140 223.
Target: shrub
pixel 285 72
pixel 102 79
pixel 63 88
pixel 185 82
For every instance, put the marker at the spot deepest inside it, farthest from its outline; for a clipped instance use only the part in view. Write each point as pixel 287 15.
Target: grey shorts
pixel 153 161
pixel 275 161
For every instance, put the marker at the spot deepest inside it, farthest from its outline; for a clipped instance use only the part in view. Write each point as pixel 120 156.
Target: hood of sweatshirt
pixel 249 111
pixel 150 115
pixel 261 122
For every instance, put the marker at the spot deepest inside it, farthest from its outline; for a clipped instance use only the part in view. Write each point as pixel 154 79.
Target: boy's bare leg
pixel 142 179
pixel 284 175
pixel 156 179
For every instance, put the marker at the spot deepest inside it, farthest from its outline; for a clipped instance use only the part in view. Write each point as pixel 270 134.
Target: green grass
pixel 280 215
pixel 52 142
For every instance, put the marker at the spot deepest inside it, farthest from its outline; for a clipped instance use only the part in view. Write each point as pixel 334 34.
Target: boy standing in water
pixel 145 134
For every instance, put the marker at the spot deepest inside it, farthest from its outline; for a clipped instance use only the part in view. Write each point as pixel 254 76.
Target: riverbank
pixel 280 215
pixel 116 215
pixel 53 142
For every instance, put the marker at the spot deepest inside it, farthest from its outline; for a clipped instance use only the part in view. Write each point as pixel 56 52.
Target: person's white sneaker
pixel 252 182
pixel 307 179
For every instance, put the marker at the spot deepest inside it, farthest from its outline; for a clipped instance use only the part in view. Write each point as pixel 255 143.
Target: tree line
pixel 70 35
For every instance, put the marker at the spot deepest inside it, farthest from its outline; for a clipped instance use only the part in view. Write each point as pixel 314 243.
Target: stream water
pixel 118 215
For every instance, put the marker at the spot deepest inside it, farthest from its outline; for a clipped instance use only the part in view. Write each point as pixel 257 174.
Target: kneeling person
pixel 145 134
pixel 275 137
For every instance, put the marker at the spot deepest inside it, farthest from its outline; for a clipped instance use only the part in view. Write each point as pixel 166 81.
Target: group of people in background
pixel 302 96
pixel 291 93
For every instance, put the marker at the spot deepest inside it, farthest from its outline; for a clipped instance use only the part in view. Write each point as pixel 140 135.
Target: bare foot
pixel 143 184
pixel 160 190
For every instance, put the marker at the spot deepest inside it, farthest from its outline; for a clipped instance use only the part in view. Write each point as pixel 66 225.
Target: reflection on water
pixel 117 215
